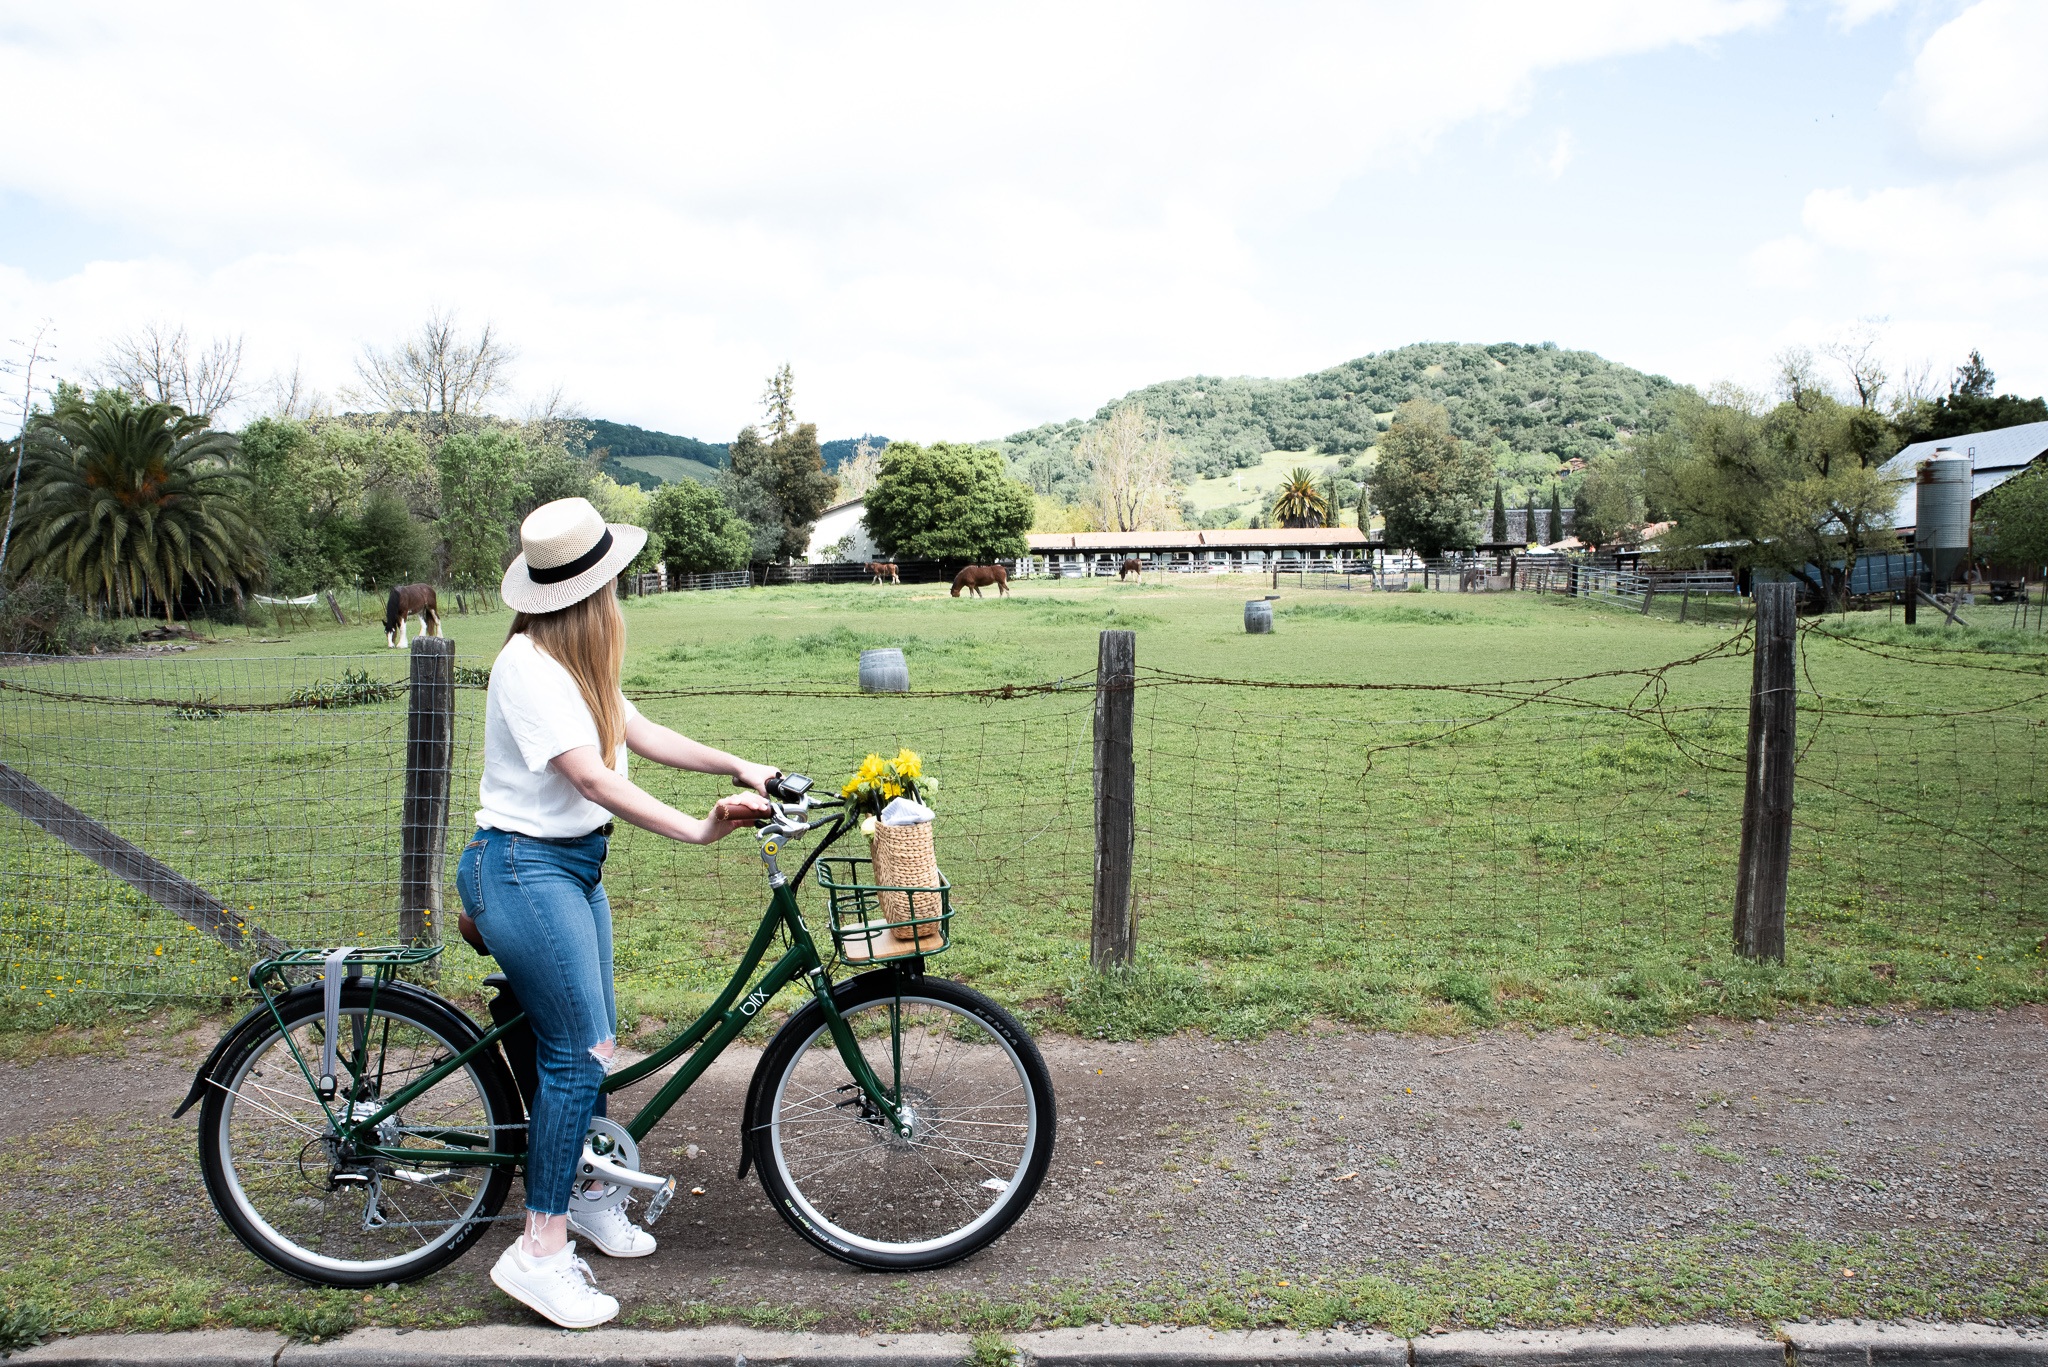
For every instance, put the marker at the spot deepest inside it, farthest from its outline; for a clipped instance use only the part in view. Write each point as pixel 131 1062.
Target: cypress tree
pixel 1500 516
pixel 1529 537
pixel 1556 519
pixel 1365 510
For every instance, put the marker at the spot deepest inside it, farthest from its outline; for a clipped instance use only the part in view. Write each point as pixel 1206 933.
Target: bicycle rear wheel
pixel 289 1187
pixel 981 1136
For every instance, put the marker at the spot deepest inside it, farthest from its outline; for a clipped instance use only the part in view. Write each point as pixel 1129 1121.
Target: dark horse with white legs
pixel 1130 568
pixel 979 577
pixel 404 602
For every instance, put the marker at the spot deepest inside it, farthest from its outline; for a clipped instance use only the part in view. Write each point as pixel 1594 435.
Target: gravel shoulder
pixel 1735 1172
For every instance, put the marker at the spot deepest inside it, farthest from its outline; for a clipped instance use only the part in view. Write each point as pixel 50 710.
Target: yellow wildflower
pixel 909 765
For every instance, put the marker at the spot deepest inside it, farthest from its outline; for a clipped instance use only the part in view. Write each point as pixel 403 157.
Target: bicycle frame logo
pixel 756 999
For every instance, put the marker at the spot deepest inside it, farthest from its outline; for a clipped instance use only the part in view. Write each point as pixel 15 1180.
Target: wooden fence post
pixel 1114 935
pixel 1765 859
pixel 423 832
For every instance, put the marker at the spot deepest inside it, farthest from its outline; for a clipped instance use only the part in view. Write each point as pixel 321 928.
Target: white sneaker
pixel 610 1232
pixel 559 1288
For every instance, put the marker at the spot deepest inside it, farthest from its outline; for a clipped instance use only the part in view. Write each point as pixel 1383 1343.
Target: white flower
pixel 867 826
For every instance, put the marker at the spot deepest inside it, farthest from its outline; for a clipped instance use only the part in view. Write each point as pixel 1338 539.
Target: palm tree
pixel 1301 504
pixel 125 501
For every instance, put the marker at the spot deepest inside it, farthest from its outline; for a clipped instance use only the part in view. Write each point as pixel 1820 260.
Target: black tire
pixel 267 1153
pixel 841 1176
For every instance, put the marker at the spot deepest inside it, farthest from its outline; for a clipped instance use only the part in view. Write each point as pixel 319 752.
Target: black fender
pixel 260 1018
pixel 910 967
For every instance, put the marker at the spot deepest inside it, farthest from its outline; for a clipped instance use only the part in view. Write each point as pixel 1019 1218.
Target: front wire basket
pixel 867 928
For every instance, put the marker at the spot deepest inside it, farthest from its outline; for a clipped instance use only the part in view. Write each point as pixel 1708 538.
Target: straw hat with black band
pixel 567 552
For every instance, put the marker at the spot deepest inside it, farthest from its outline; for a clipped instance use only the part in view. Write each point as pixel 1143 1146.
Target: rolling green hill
pixel 1540 400
pixel 639 455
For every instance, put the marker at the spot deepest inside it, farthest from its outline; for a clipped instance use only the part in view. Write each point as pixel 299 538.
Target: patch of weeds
pixel 990 1350
pixel 1719 1155
pixel 317 1316
pixel 24 1325
pixel 1471 992
pixel 354 688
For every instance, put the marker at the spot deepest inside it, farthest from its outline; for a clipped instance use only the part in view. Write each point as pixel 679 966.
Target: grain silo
pixel 1942 530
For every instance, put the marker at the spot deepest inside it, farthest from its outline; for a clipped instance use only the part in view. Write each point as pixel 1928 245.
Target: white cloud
pixel 953 220
pixel 1851 14
pixel 1560 154
pixel 1976 94
pixel 1783 263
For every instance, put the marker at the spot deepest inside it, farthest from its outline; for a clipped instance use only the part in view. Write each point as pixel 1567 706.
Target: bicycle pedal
pixel 658 1203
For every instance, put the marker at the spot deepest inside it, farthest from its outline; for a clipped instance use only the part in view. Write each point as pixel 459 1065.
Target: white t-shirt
pixel 534 711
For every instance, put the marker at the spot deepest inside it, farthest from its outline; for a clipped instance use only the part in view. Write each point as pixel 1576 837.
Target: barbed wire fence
pixel 1537 828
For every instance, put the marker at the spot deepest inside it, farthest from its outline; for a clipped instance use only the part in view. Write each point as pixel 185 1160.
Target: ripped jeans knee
pixel 606 1052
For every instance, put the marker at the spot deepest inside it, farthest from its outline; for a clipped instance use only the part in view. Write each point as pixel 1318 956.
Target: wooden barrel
pixel 884 671
pixel 1258 616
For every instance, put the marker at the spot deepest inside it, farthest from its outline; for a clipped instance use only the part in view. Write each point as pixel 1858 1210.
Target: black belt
pixel 604 830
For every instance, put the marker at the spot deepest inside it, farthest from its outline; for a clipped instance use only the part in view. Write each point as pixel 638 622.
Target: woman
pixel 556 733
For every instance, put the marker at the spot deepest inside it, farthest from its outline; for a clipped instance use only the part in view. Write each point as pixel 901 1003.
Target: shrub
pixel 37 617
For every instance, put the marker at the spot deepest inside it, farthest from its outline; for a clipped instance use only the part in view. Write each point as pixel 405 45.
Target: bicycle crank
pixel 612 1156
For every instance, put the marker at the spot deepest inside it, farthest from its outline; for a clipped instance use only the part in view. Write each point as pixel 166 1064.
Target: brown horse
pixel 405 600
pixel 881 570
pixel 979 577
pixel 1130 568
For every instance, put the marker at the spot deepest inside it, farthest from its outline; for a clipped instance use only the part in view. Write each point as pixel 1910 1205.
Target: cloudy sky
pixel 957 221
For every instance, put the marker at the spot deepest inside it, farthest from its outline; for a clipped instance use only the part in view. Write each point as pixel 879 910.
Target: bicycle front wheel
pixel 293 1190
pixel 981 1124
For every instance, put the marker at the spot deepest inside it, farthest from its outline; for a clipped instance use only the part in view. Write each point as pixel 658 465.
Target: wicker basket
pixel 906 856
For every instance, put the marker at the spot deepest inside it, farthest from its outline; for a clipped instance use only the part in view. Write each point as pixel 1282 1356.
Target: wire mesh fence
pixel 1347 837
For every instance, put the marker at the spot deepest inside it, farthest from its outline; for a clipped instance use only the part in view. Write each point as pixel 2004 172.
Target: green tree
pixel 699 534
pixel 310 486
pixel 2012 522
pixel 1429 481
pixel 1556 528
pixel 947 502
pixel 1796 488
pixel 388 545
pixel 1972 405
pixel 1500 516
pixel 1300 503
pixel 1365 509
pixel 483 482
pixel 1608 509
pixel 128 502
pixel 1530 536
pixel 778 402
pixel 779 488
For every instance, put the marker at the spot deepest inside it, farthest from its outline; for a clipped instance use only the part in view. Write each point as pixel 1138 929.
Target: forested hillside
pixel 1538 399
pixel 637 455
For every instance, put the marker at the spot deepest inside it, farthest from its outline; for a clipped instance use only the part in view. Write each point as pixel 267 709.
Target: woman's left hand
pixel 755 776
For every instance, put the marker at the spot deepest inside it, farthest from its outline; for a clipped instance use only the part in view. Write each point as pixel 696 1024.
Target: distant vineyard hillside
pixel 1539 399
pixel 636 455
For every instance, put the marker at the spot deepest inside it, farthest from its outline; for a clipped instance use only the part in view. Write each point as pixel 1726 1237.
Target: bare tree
pixel 1855 350
pixel 778 402
pixel 434 375
pixel 1131 461
pixel 161 364
pixel 1798 374
pixel 857 472
pixel 293 396
pixel 37 349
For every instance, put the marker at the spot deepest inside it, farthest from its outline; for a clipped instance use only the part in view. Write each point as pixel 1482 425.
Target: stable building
pixel 1226 551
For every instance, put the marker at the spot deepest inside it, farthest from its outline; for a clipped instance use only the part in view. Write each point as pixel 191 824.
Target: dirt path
pixel 1190 1160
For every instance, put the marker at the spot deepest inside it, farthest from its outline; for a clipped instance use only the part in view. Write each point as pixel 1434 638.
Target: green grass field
pixel 1424 855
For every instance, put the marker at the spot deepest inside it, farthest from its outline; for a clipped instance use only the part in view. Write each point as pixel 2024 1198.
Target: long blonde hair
pixel 588 639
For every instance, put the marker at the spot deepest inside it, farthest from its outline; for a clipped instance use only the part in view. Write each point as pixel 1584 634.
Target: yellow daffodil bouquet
pixel 878 782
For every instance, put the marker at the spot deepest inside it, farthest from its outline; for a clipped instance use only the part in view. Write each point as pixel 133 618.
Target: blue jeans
pixel 544 914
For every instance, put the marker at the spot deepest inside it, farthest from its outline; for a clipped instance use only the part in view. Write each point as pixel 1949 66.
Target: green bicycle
pixel 358 1129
